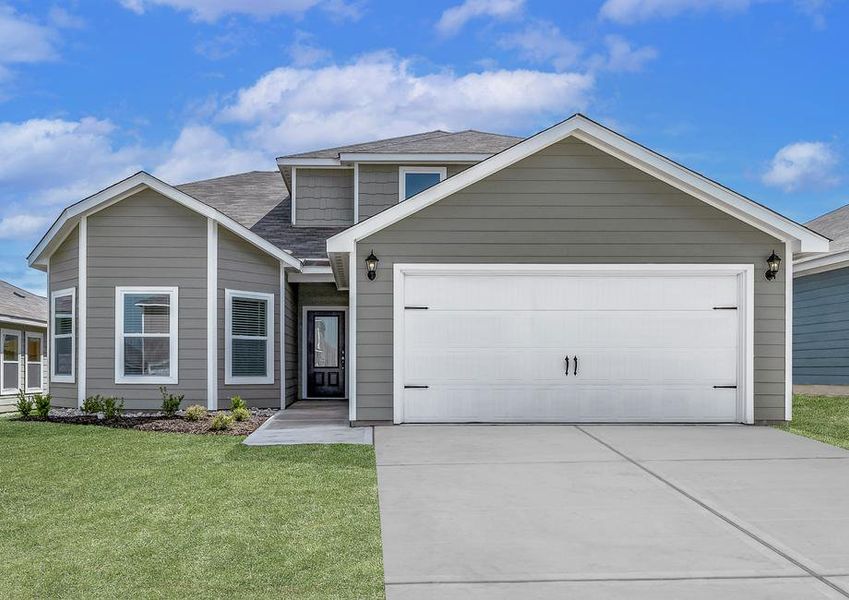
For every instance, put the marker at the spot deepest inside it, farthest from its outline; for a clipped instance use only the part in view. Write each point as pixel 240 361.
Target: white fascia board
pixel 308 162
pixel 606 140
pixel 134 184
pixel 436 157
pixel 312 274
pixel 24 322
pixel 821 264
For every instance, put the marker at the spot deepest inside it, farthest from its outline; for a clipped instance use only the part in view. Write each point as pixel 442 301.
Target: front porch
pixel 310 422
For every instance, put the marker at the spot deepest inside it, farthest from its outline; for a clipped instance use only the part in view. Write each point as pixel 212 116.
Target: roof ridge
pixel 380 142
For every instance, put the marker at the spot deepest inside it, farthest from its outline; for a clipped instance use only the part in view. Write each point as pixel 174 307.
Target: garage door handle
pixel 575 372
pixel 567 364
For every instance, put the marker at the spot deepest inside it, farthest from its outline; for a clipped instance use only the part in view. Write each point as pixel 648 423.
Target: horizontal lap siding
pixel 570 203
pixel 324 197
pixel 64 274
pixel 379 187
pixel 317 294
pixel 243 267
pixel 821 328
pixel 147 240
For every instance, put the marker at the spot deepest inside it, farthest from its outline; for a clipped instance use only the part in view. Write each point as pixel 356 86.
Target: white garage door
pixel 590 346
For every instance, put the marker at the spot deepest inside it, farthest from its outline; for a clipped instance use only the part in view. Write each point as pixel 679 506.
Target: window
pixel 62 332
pixel 249 337
pixel 34 361
pixel 412 180
pixel 11 359
pixel 326 344
pixel 145 335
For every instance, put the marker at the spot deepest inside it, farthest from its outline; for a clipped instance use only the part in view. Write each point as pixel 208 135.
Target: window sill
pixel 62 379
pixel 248 380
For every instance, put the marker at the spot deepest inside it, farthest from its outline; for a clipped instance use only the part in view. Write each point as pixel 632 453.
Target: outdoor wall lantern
pixel 773 262
pixel 371 266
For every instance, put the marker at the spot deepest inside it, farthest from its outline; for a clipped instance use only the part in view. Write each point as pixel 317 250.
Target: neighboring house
pixel 23 336
pixel 571 276
pixel 821 311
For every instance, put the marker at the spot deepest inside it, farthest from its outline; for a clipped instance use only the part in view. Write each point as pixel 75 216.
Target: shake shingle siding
pixel 821 328
pixel 570 203
pixel 324 197
pixel 379 187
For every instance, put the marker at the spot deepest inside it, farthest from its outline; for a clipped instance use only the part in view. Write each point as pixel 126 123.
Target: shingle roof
pixel 21 304
pixel 469 141
pixel 259 201
pixel 835 225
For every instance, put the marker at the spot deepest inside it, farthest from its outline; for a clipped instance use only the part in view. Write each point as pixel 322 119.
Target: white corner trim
pixel 745 273
pixel 229 378
pixel 173 335
pixel 54 378
pixel 211 314
pixel 612 143
pixel 351 354
pixel 27 362
pixel 132 185
pixel 302 367
pixel 82 310
pixel 788 335
pixel 356 193
pixel 293 195
pixel 3 388
pixel 282 336
pixel 402 177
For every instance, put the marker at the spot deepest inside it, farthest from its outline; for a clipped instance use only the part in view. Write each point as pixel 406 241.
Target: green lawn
pixel 91 512
pixel 823 418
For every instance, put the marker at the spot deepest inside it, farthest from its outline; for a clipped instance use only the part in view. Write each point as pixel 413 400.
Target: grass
pixel 93 512
pixel 823 418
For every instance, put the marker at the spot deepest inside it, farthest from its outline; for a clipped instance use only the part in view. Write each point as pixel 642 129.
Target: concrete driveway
pixel 662 512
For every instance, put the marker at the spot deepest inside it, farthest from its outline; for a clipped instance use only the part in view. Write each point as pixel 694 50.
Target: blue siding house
pixel 821 311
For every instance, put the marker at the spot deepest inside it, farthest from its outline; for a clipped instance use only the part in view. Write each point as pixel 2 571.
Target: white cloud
pixel 290 109
pixel 453 19
pixel 304 52
pixel 22 40
pixel 22 225
pixel 542 42
pixel 634 11
pixel 623 57
pixel 200 153
pixel 802 165
pixel 211 10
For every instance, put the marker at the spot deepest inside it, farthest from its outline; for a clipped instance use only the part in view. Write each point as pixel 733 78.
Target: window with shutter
pixel 249 341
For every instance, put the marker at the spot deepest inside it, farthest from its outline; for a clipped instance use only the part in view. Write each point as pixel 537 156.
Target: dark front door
pixel 325 354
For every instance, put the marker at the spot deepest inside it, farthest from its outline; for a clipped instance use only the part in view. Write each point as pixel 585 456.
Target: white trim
pixel 308 162
pixel 402 178
pixel 211 314
pixel 614 144
pixel 351 354
pixel 293 203
pixel 132 185
pixel 27 363
pixel 820 264
pixel 788 333
pixel 3 362
pixel 323 277
pixel 745 309
pixel 54 378
pixel 229 378
pixel 303 345
pixel 173 335
pixel 24 322
pixel 356 193
pixel 82 310
pixel 282 336
pixel 412 157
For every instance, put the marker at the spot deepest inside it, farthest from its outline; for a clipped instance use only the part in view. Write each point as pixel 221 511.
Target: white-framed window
pixel 34 361
pixel 249 337
pixel 11 362
pixel 146 334
pixel 412 180
pixel 63 325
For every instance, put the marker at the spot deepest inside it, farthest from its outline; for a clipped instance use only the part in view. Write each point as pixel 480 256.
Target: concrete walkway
pixel 310 422
pixel 592 512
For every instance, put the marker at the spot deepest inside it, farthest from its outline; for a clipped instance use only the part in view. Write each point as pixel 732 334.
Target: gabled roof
pixel 132 185
pixel 595 134
pixel 20 306
pixel 834 224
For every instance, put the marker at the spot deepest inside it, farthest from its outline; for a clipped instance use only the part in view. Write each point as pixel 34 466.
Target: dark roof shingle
pixel 834 225
pixel 20 304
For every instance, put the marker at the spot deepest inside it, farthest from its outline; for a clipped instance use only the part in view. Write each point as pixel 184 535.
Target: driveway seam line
pixel 717 514
pixel 601 579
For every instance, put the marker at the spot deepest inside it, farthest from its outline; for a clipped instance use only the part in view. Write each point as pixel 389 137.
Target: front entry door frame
pixel 303 350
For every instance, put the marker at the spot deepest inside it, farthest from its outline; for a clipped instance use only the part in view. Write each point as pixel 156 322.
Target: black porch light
pixel 773 262
pixel 371 265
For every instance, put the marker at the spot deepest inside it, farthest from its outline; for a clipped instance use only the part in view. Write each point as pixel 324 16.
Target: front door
pixel 325 354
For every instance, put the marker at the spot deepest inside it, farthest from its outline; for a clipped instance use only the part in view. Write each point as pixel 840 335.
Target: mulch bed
pixel 159 423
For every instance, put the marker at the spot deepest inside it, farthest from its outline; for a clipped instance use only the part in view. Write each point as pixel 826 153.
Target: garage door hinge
pixel 416 387
pixel 725 387
pixel 724 308
pixel 415 308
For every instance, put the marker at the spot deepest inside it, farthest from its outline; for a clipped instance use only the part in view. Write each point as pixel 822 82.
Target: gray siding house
pixel 821 311
pixel 23 337
pixel 573 276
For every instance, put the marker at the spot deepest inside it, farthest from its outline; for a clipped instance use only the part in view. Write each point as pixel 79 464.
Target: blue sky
pixel 751 93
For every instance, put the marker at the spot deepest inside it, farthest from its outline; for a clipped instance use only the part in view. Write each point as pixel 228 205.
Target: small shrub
pixel 241 414
pixel 93 405
pixel 42 405
pixel 195 412
pixel 24 405
pixel 236 402
pixel 111 407
pixel 221 421
pixel 170 402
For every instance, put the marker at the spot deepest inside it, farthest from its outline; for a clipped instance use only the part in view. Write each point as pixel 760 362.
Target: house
pixel 442 277
pixel 821 313
pixel 23 335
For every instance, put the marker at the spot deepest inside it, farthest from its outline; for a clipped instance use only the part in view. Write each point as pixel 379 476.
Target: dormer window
pixel 412 180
